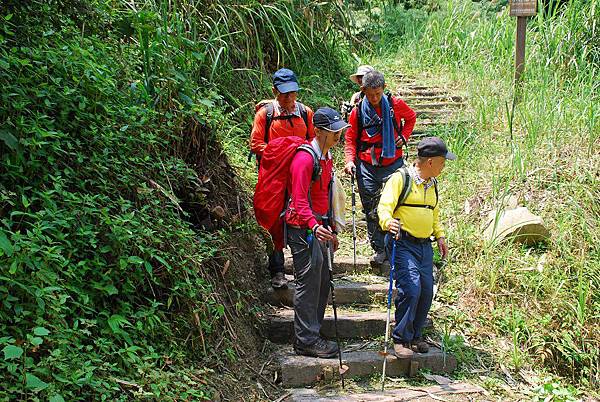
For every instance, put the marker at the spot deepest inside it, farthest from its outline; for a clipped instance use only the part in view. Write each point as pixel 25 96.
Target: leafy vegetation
pixel 115 201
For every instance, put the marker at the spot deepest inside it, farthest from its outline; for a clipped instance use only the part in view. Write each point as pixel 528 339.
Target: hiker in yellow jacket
pixel 411 215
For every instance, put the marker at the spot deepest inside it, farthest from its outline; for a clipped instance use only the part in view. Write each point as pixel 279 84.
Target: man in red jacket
pixel 282 117
pixel 373 148
pixel 309 234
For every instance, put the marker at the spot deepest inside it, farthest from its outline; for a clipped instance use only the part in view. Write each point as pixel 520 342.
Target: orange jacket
pixel 279 128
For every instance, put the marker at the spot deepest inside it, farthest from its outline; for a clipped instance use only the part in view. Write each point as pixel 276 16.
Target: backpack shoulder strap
pixel 316 165
pixel 437 195
pixel 359 126
pixel 304 115
pixel 406 186
pixel 270 110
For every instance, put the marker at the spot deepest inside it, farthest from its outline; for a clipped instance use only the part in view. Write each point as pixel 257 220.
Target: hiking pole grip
pixel 333 305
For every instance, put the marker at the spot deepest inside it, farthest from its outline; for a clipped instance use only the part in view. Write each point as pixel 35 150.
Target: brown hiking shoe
pixel 419 345
pixel 279 281
pixel 403 352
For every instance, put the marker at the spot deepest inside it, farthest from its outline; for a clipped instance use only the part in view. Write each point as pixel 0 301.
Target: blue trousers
pixel 370 181
pixel 413 274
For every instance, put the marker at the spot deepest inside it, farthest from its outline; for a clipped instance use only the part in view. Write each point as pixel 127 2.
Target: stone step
pixel 422 92
pixel 436 106
pixel 432 392
pixel 341 264
pixel 433 113
pixel 351 324
pixel 297 371
pixel 345 293
pixel 411 98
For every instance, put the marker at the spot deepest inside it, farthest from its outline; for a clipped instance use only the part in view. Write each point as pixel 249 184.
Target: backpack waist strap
pixel 407 236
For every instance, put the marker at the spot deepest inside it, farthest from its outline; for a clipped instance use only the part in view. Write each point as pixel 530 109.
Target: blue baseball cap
pixel 329 119
pixel 284 80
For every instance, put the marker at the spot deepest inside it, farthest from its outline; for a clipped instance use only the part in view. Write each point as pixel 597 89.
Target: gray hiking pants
pixel 311 272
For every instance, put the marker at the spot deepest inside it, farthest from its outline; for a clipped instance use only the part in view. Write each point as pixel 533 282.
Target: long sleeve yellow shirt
pixel 419 222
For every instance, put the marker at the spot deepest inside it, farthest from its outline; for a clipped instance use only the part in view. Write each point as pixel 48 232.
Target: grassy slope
pixel 523 307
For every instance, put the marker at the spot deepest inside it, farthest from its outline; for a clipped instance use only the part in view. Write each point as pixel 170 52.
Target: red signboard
pixel 523 8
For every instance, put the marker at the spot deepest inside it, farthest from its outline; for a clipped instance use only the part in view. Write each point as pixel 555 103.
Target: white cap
pixel 360 71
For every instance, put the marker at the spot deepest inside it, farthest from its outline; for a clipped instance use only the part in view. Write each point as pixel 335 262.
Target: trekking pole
pixel 343 368
pixel 353 220
pixel 389 308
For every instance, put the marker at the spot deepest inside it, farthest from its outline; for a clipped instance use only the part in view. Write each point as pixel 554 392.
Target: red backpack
pixel 270 195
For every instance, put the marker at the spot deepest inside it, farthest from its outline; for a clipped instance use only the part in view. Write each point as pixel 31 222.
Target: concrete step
pixel 436 106
pixel 346 292
pixel 351 324
pixel 422 92
pixel 433 392
pixel 412 98
pixel 433 113
pixel 297 371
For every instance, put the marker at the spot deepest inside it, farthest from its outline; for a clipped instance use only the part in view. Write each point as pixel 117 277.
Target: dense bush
pixel 109 117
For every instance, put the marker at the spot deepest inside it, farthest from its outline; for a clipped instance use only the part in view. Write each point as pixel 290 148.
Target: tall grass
pixel 545 150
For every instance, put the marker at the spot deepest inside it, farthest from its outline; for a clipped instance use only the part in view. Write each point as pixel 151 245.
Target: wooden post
pixel 520 48
pixel 521 9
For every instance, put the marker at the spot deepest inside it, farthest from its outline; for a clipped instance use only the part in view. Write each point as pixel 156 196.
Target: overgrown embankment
pixel 126 246
pixel 524 307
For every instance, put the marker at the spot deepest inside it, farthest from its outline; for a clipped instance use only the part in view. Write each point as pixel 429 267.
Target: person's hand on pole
pixel 443 247
pixel 323 234
pixel 350 168
pixel 394 227
pixel 336 243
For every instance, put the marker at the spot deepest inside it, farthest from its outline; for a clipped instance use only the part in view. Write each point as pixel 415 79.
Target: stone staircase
pixel 361 307
pixel 361 294
pixel 434 105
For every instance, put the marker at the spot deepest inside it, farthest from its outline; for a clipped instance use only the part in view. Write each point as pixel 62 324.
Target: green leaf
pixel 56 398
pixel 5 244
pixel 12 352
pixel 115 322
pixel 40 331
pixel 36 341
pixel 163 262
pixel 135 260
pixel 33 382
pixel 10 140
pixel 206 102
pixel 7 17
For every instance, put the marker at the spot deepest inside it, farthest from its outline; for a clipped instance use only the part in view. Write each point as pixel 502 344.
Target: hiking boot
pixel 321 348
pixel 402 351
pixel 378 258
pixel 279 281
pixel 419 345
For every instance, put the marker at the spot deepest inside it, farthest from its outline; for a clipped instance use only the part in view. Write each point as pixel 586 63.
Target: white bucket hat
pixel 360 71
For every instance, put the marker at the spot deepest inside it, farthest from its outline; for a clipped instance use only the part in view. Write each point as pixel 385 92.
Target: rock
pixel 518 225
pixel 218 211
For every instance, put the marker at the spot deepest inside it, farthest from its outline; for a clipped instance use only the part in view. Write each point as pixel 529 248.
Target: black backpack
pixel 406 187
